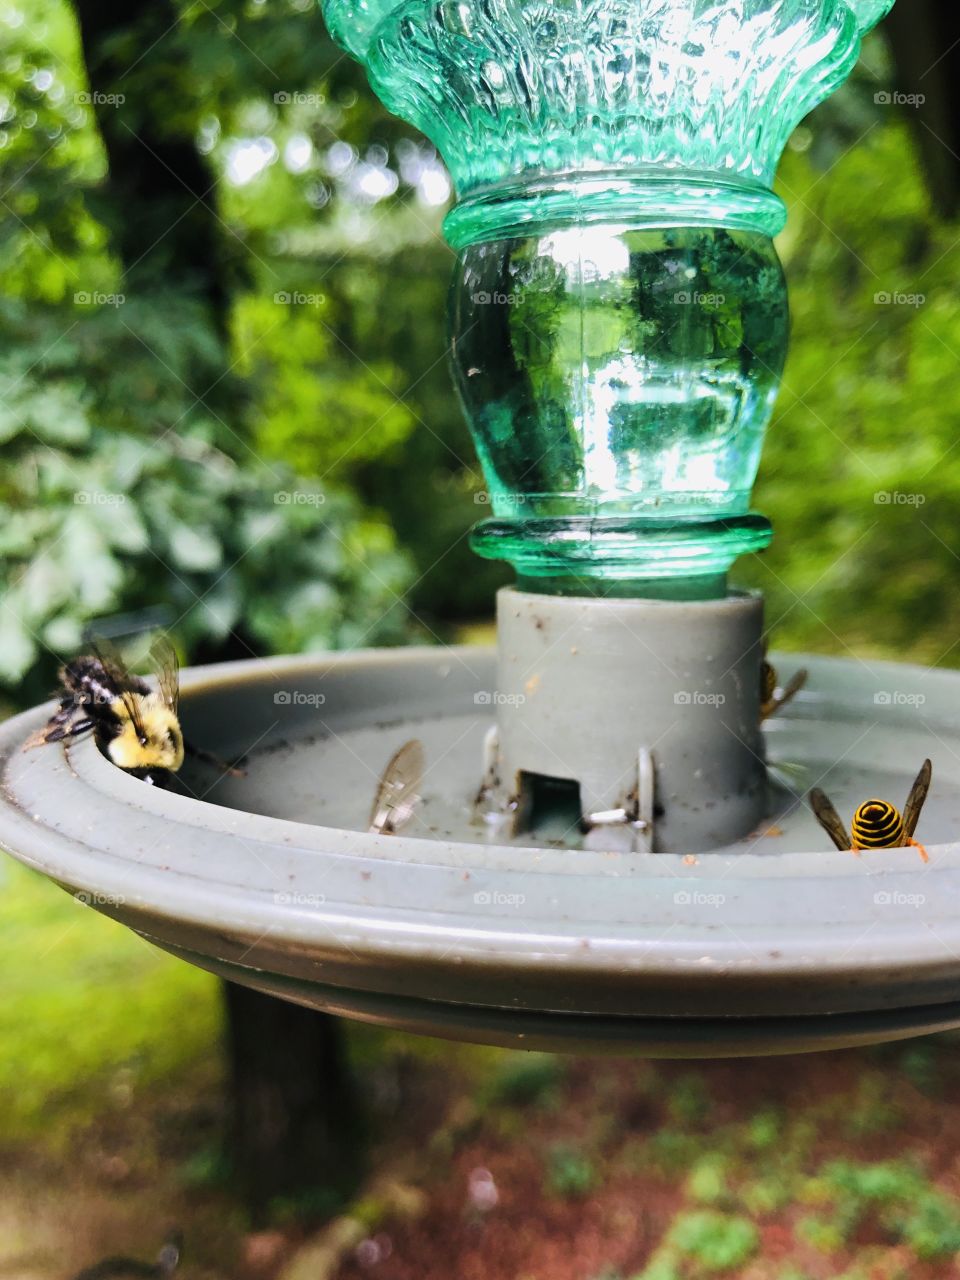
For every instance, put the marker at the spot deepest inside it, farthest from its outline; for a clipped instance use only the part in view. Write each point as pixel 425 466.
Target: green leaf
pixel 194 548
pixel 17 646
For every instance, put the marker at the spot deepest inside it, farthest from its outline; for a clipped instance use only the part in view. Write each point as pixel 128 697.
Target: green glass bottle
pixel 618 316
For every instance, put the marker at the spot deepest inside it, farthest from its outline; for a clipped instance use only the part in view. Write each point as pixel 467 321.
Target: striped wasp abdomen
pixel 877 824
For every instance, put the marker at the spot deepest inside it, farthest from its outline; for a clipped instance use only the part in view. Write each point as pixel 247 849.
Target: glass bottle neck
pixel 643 197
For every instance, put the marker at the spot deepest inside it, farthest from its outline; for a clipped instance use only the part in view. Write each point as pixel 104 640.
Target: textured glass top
pixel 619 316
pixel 506 87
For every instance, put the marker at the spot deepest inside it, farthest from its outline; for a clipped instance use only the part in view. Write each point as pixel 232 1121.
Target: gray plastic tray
pixel 776 944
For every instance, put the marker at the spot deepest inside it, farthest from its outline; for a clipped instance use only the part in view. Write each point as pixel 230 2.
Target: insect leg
pixel 208 757
pixel 919 848
pixel 74 729
pixel 69 722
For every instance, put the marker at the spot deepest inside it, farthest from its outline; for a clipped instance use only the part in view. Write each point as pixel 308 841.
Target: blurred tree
pixel 159 206
pixel 296 1121
pixel 925 40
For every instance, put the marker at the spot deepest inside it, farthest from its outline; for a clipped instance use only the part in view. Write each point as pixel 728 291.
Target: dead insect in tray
pixel 772 697
pixel 877 824
pixel 136 727
pixel 398 790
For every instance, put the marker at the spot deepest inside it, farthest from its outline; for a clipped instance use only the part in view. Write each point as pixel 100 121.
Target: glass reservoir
pixel 619 382
pixel 618 317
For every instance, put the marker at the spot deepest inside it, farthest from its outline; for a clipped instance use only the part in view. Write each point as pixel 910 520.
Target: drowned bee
pixel 773 698
pixel 877 824
pixel 135 726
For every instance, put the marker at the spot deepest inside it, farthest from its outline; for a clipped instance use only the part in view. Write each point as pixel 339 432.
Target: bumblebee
pixel 135 726
pixel 877 824
pixel 772 697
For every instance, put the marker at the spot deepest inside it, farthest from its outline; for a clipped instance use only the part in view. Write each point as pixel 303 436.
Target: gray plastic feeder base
pixel 774 943
pixel 599 693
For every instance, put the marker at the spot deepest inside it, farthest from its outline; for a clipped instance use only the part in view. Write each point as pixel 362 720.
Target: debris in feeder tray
pixel 398 790
pixel 877 824
pixel 137 728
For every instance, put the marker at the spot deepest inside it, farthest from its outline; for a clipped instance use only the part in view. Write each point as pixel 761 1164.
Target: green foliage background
pixel 301 476
pixel 294 473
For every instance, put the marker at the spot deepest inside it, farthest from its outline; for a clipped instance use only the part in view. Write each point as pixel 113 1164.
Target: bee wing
pixel 116 670
pixel 130 688
pixel 780 700
pixel 793 687
pixel 916 798
pixel 397 792
pixel 829 819
pixel 130 699
pixel 789 775
pixel 166 665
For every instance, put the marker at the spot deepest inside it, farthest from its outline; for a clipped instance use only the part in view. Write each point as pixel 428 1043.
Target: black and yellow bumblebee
pixel 135 726
pixel 877 824
pixel 772 697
